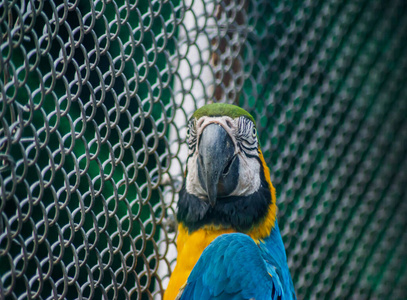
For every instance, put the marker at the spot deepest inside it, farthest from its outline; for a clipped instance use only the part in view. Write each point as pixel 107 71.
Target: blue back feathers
pixel 234 267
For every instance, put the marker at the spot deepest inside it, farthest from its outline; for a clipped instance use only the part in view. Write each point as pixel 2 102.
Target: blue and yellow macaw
pixel 229 244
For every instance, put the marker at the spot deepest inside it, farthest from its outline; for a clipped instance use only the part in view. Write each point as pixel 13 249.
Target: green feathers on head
pixel 222 109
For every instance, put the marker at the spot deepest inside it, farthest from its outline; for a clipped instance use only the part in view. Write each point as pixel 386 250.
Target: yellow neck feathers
pixel 263 229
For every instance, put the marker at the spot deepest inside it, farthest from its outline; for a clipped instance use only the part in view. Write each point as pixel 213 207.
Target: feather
pixel 232 267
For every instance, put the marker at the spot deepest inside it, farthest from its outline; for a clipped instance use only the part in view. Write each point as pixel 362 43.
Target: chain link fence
pixel 95 96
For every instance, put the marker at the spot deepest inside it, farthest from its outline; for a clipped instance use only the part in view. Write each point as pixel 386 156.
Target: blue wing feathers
pixel 232 267
pixel 273 251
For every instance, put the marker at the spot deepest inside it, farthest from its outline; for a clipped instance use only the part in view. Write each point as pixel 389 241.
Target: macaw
pixel 229 244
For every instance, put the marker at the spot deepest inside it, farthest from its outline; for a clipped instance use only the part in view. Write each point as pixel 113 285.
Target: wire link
pixel 94 102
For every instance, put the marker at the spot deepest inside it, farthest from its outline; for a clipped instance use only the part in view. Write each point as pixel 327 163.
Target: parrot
pixel 229 244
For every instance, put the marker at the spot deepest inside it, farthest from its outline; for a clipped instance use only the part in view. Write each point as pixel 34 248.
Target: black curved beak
pixel 218 167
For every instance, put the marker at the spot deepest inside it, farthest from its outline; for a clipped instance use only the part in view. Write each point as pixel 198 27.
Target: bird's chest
pixel 190 247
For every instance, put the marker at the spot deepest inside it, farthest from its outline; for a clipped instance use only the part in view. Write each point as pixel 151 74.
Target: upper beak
pixel 217 164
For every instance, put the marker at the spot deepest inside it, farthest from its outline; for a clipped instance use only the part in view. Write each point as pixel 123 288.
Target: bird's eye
pixel 188 132
pixel 254 132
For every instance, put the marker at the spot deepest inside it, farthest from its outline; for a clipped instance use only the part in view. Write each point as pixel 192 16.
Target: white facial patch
pixel 249 176
pixel 193 185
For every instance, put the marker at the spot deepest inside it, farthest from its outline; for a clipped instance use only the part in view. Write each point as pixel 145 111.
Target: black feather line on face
pixel 238 212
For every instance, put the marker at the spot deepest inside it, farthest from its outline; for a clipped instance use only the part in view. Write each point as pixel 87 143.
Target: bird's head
pixel 227 182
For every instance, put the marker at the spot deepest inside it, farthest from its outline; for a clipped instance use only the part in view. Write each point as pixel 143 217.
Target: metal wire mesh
pixel 93 106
